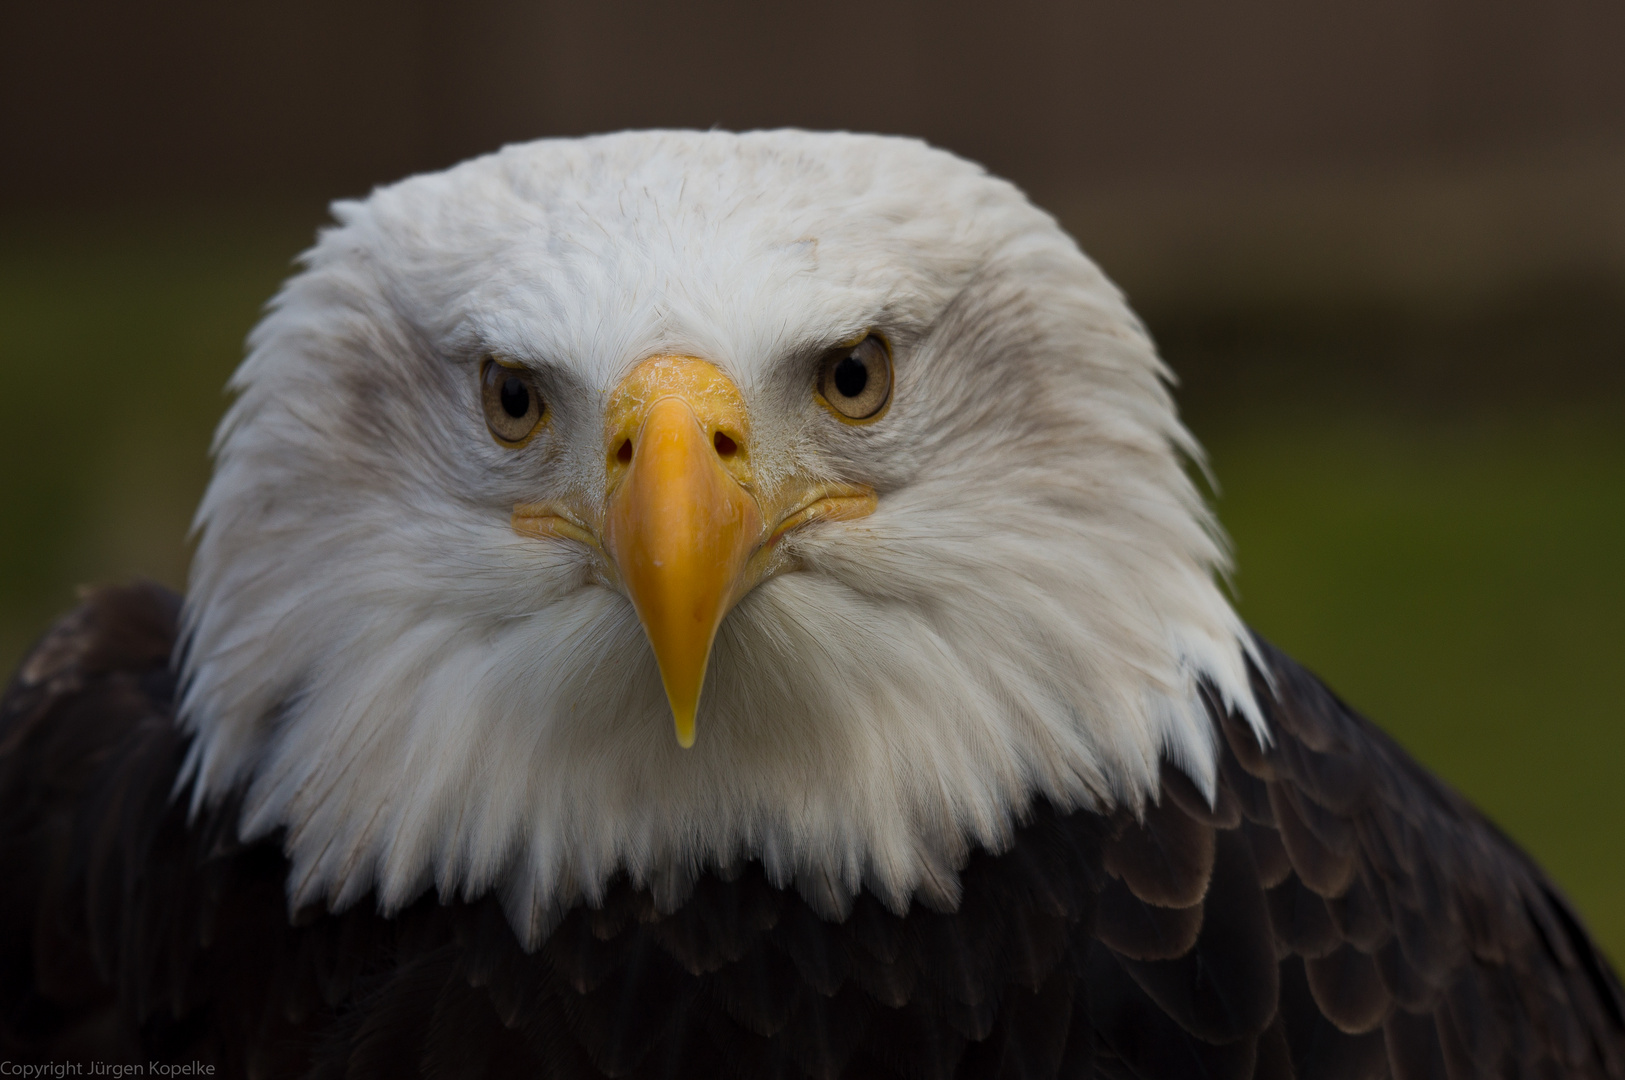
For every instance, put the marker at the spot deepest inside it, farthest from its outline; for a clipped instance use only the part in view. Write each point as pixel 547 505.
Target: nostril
pixel 624 454
pixel 726 447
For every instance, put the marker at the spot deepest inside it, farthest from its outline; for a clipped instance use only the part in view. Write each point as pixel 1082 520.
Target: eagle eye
pixel 854 381
pixel 513 408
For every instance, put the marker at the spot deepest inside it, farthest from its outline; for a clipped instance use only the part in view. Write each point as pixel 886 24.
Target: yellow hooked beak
pixel 683 521
pixel 680 524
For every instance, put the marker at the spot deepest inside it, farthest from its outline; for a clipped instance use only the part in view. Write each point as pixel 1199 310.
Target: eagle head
pixel 641 504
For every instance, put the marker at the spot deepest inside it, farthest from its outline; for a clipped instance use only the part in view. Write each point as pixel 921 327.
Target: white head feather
pixel 420 696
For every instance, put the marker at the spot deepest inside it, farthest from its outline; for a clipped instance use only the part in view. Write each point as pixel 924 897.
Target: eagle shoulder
pixel 86 734
pixel 1411 929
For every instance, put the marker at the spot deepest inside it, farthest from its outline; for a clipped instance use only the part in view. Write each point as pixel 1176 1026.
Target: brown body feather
pixel 1336 913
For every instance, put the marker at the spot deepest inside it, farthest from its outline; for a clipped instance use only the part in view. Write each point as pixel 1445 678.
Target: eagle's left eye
pixel 854 381
pixel 513 408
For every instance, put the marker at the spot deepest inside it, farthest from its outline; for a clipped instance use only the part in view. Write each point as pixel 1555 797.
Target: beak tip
pixel 685 730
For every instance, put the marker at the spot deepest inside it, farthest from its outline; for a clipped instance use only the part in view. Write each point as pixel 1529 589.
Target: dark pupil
pixel 515 396
pixel 851 377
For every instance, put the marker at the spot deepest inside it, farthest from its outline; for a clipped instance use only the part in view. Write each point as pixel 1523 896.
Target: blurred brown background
pixel 1492 131
pixel 1382 243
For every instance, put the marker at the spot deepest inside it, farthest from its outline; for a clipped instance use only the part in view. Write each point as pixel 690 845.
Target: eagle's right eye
pixel 513 408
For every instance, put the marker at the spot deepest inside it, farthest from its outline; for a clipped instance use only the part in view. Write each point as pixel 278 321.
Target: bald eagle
pixel 692 604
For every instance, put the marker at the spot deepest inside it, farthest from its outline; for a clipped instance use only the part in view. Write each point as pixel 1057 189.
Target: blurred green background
pixel 1382 244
